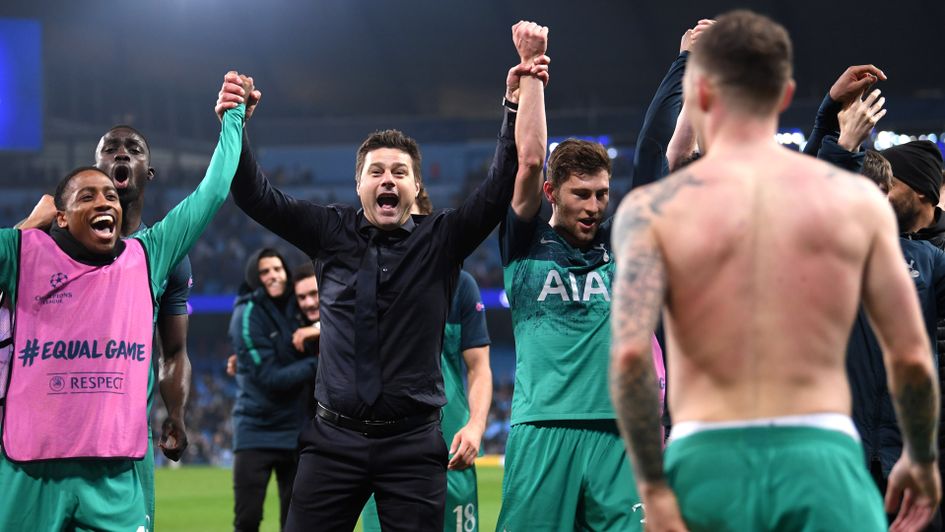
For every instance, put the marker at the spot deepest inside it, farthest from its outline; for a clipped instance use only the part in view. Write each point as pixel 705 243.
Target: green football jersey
pixel 560 302
pixel 465 329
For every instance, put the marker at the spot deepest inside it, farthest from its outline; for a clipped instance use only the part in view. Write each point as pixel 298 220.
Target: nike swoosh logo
pixel 547 241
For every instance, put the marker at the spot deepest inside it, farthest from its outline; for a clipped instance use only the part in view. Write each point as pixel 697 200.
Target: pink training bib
pixel 81 355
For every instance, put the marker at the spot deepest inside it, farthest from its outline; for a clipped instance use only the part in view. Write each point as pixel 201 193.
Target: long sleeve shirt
pixel 418 266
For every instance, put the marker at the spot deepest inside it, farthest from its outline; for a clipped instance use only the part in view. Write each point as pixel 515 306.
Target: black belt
pixel 374 428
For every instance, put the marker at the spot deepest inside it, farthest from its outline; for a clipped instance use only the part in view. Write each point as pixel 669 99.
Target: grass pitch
pixel 200 499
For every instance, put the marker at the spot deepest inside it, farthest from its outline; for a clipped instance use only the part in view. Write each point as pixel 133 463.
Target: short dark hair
pixel 59 198
pixel 389 138
pixel 424 204
pixel 749 55
pixel 303 271
pixel 575 156
pixel 877 168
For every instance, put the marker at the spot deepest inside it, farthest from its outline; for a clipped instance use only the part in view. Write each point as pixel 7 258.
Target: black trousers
pixel 251 471
pixel 340 468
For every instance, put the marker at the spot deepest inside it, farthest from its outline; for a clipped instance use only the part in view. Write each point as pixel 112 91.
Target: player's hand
pixel 853 82
pixel 465 448
pixel 234 92
pixel 42 216
pixel 231 366
pixel 173 438
pixel 661 509
pixel 919 489
pixel 531 40
pixel 537 68
pixel 304 334
pixel 692 35
pixel 858 119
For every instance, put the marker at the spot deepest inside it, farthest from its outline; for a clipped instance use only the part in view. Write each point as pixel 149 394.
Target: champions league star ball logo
pixel 57 280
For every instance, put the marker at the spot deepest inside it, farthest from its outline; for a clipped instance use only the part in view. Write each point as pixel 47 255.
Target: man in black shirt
pixel 385 285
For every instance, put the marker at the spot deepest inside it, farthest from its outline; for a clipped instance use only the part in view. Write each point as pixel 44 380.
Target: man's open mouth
pixel 587 223
pixel 387 203
pixel 121 174
pixel 103 226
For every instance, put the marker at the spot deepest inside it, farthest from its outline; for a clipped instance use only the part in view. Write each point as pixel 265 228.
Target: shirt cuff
pixel 508 125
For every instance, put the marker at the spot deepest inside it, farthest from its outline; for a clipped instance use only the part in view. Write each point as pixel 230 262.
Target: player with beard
pixel 124 155
pixel 76 406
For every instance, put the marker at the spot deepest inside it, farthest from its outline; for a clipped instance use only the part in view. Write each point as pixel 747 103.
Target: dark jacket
pixel 873 411
pixel 935 235
pixel 822 141
pixel 271 374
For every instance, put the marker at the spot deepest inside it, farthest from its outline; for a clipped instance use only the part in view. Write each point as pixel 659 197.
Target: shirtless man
pixel 760 256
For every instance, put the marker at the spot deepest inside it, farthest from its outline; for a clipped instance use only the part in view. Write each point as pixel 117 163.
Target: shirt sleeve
pixel 258 355
pixel 174 300
pixel 515 236
pixel 304 224
pixel 478 215
pixel 659 124
pixel 472 313
pixel 9 261
pixel 168 241
pixel 835 154
pixel 825 123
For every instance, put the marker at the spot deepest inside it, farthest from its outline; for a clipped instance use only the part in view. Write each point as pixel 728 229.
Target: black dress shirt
pixel 418 264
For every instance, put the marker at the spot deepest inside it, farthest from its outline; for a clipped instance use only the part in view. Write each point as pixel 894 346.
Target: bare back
pixel 765 257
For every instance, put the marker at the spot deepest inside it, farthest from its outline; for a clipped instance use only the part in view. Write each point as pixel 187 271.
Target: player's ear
pixel 549 190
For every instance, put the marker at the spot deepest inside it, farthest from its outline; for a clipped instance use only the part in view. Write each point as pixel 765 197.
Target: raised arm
pixel 652 158
pixel 848 86
pixel 169 240
pixel 893 307
pixel 531 129
pixel 301 223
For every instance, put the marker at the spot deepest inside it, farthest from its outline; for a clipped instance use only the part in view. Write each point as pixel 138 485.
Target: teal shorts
pixel 773 478
pixel 568 475
pixel 79 495
pixel 462 504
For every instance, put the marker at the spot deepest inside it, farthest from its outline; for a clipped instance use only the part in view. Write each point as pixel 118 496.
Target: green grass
pixel 200 499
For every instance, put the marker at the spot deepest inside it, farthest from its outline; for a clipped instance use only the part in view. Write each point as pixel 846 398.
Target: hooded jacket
pixel 271 374
pixel 873 411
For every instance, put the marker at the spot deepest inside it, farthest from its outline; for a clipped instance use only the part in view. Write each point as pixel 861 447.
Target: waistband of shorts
pixel 827 421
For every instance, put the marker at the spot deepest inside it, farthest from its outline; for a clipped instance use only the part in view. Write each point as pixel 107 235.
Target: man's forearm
pixel 531 137
pixel 175 383
pixel 479 380
pixel 916 398
pixel 659 123
pixel 637 402
pixel 484 209
pixel 825 123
